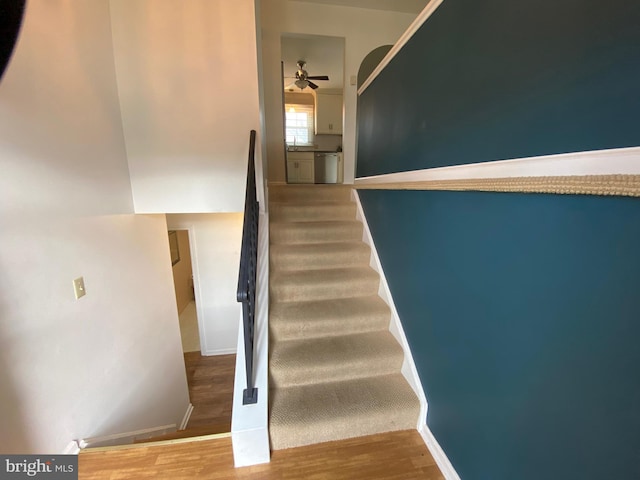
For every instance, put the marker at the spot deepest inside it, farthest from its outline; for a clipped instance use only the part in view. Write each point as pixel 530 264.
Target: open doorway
pixel 313 107
pixel 184 290
pixel 209 377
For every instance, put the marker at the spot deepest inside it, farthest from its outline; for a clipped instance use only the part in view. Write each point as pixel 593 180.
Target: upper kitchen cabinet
pixel 328 114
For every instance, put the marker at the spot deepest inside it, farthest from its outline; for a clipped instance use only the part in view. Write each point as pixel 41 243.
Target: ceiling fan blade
pixel 313 85
pixel 318 77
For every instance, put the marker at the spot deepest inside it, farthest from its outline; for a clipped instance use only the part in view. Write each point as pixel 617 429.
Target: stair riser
pixel 331 411
pixel 283 260
pixel 283 330
pixel 340 428
pixel 301 234
pixel 298 377
pixel 310 194
pixel 328 318
pixel 313 213
pixel 307 292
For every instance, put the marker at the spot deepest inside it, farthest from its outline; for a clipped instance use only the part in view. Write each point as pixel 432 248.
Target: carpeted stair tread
pixel 333 359
pixel 309 193
pixel 301 285
pixel 314 232
pixel 333 411
pixel 319 318
pixel 311 212
pixel 319 255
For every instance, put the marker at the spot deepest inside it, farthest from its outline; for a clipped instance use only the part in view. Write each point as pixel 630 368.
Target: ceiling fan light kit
pixel 303 78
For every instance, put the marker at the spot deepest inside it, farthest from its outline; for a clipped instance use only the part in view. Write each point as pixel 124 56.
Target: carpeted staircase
pixel 334 366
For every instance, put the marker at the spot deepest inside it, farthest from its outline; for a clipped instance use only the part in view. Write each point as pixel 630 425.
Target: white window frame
pixel 300 130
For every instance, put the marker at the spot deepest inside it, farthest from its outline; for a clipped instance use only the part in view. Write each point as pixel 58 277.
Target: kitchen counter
pixel 304 149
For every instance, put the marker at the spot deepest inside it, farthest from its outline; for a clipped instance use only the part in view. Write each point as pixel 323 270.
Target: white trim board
pixel 126 437
pixel 438 454
pixel 595 162
pixel 222 351
pixel 186 417
pixel 406 36
pixel 72 448
pixel 409 370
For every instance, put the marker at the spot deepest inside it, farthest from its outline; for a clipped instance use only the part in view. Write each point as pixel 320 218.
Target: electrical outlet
pixel 78 287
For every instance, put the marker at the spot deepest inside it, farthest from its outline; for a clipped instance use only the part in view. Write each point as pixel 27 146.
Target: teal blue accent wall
pixel 371 61
pixel 523 315
pixel 522 311
pixel 499 79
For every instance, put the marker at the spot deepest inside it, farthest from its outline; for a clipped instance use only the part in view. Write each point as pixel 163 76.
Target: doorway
pixel 209 378
pixel 182 270
pixel 313 107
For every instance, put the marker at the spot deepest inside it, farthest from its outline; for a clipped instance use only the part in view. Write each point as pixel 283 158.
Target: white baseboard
pixel 126 437
pixel 72 449
pixel 187 416
pixel 409 370
pixel 222 351
pixel 438 454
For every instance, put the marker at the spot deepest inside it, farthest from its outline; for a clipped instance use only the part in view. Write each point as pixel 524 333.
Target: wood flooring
pixel 393 455
pixel 210 382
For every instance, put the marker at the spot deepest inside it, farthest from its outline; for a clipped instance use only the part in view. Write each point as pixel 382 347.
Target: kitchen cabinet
pixel 328 114
pixel 300 167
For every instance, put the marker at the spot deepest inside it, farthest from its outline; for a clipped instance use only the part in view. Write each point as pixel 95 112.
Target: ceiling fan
pixel 303 78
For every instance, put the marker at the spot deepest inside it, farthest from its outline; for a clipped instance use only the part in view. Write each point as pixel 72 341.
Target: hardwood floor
pixel 210 382
pixel 394 455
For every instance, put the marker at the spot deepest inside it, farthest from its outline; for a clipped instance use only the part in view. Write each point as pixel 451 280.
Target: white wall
pixel 215 255
pixel 363 30
pixel 182 272
pixel 188 81
pixel 111 361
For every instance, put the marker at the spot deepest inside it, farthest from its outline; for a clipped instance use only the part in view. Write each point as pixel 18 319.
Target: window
pixel 299 124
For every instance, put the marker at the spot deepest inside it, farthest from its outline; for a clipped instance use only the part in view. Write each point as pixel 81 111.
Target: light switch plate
pixel 78 287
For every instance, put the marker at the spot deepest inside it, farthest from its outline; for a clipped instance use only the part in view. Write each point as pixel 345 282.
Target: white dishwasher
pixel 325 165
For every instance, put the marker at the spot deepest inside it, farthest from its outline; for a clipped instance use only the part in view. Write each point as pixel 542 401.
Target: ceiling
pixel 406 6
pixel 324 56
